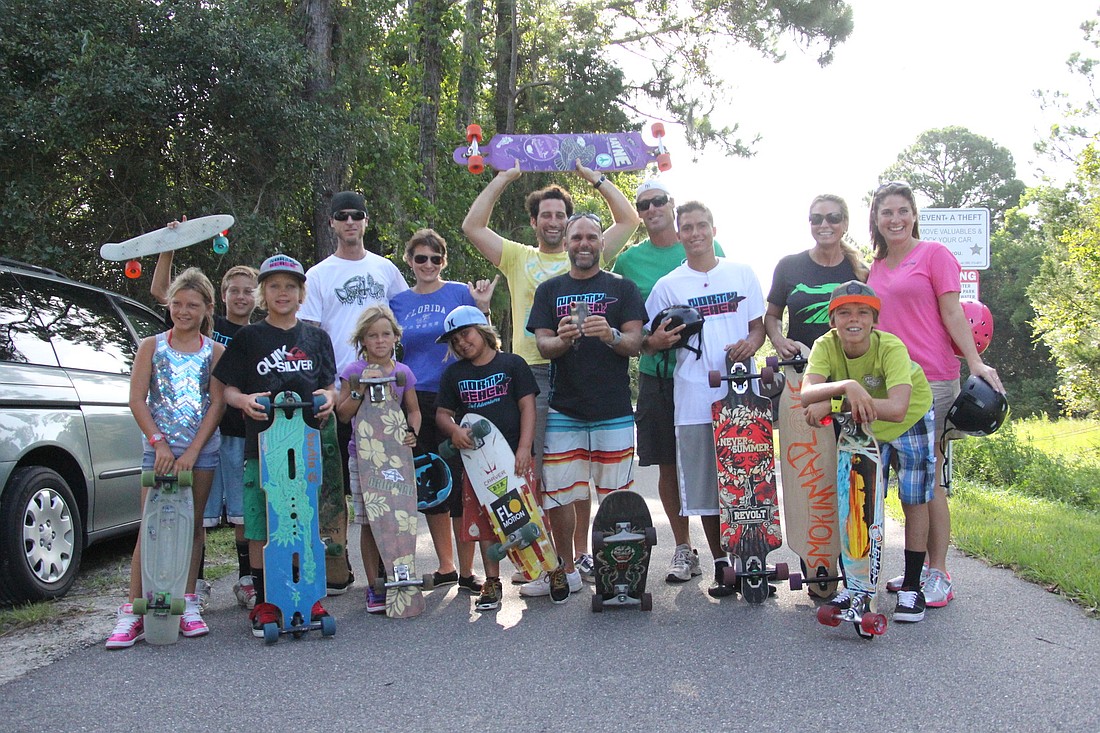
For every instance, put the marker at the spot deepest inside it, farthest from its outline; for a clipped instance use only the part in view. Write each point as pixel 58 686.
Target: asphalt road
pixel 1003 656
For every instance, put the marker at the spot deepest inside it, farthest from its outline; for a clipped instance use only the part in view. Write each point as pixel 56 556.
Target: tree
pixel 956 168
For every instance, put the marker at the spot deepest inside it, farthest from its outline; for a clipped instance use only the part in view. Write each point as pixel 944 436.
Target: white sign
pixel 969 281
pixel 963 231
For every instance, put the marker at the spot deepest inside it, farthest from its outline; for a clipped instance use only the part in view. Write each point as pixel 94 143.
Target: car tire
pixel 41 536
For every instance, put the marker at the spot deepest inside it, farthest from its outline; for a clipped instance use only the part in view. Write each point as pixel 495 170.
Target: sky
pixel 906 68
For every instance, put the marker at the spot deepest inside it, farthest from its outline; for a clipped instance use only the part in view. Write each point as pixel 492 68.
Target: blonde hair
pixel 492 338
pixel 261 299
pixel 238 271
pixel 368 318
pixel 859 267
pixel 193 279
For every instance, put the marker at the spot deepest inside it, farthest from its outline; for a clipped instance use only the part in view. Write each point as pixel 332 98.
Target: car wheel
pixel 41 536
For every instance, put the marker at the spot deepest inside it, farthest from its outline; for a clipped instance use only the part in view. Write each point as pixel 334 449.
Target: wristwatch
pixel 616 337
pixel 599 183
pixel 156 438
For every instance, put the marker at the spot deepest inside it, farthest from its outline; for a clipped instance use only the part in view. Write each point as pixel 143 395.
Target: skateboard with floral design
pixel 290 476
pixel 387 479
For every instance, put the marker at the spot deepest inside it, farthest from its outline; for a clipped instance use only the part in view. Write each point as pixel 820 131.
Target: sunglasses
pixel 421 259
pixel 894 186
pixel 832 217
pixel 657 201
pixel 589 216
pixel 353 215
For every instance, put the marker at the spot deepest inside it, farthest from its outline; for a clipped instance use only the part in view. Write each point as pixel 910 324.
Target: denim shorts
pixel 227 492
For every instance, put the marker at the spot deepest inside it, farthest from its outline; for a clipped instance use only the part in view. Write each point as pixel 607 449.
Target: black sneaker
pixel 842 600
pixel 910 607
pixel 717 589
pixel 469 583
pixel 440 579
pixel 559 585
pixel 491 592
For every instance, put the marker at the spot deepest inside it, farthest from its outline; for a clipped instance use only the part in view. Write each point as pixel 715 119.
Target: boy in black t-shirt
pixel 276 354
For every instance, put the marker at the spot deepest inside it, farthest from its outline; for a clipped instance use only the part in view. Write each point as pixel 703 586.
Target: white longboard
pixel 165 240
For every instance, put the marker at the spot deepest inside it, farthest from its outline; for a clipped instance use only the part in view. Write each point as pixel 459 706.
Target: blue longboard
pixel 294 556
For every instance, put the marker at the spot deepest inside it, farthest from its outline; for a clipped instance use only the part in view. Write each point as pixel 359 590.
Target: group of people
pixel 880 337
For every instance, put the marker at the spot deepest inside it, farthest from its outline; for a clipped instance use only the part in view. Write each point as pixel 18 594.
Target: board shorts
pixel 655 417
pixel 255 502
pixel 697 470
pixel 580 451
pixel 227 491
pixel 915 454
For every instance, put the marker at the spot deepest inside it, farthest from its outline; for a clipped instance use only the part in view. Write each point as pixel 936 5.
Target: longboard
pixel 807 463
pixel 167 534
pixel 747 498
pixel 164 239
pixel 514 514
pixel 612 151
pixel 387 478
pixel 622 533
pixel 860 499
pixel 333 507
pixel 294 556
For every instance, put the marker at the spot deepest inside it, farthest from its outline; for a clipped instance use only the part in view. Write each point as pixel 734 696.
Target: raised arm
pixel 623 212
pixel 476 224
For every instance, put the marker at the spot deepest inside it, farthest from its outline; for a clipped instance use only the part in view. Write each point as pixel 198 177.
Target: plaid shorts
pixel 915 452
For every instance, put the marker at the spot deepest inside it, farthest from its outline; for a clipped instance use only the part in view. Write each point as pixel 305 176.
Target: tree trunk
pixel 430 13
pixel 504 66
pixel 470 66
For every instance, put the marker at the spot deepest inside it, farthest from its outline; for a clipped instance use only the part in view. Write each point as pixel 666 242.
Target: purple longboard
pixel 613 151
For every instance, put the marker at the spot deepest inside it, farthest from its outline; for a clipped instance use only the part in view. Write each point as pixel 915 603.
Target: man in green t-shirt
pixel 884 388
pixel 645 263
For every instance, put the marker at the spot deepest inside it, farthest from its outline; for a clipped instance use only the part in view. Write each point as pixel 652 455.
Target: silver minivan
pixel 70 451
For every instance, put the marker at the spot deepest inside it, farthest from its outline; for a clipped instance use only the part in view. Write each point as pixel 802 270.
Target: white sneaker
pixel 518 578
pixel 245 591
pixel 685 565
pixel 203 588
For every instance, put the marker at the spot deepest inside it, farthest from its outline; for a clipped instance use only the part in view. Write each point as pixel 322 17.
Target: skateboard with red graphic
pixel 387 479
pixel 509 501
pixel 167 533
pixel 622 533
pixel 554 153
pixel 747 498
pixel 860 496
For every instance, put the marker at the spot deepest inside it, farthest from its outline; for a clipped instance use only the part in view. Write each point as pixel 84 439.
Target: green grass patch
pixel 221 553
pixel 34 614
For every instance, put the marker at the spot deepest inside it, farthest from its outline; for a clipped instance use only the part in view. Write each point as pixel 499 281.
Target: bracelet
pixel 600 182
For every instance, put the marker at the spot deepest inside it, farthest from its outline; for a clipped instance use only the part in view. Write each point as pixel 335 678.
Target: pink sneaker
pixel 191 623
pixel 129 629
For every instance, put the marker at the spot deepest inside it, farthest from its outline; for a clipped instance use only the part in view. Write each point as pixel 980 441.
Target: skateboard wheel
pixel 651 536
pixel 220 244
pixel 597 541
pixel 482 428
pixel 399 379
pixel 529 532
pixel 767 374
pixel 328 626
pixel 729 575
pixel 873 623
pixel 794 581
pixel 148 479
pixel 473 132
pixel 496 552
pixel 781 572
pixel 647 601
pixel 829 616
pixel 133 269
pixel 772 362
pixel 447 449
pixel 141 606
pixel 597 603
pixel 265 405
pixel 379 584
pixel 318 403
pixel 476 164
pixel 427 581
pixel 184 479
pixel 715 378
pixel 658 129
pixel 271 632
pixel 664 162
pixel 177 607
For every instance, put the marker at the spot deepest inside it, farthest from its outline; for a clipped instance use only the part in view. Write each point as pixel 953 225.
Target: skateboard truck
pixel 402 577
pixel 868 624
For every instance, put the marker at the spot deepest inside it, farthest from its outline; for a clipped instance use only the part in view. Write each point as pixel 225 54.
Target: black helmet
pixel 979 409
pixel 433 480
pixel 691 319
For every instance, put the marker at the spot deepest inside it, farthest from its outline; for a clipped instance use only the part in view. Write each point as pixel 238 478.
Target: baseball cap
pixel 348 200
pixel 281 263
pixel 460 318
pixel 653 184
pixel 854 291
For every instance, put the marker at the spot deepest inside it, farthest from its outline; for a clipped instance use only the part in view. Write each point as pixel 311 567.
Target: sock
pixel 914 563
pixel 243 566
pixel 258 584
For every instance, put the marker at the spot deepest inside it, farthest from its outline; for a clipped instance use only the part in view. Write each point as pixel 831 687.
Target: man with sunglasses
pixel 588 322
pixel 340 287
pixel 645 263
pixel 525 267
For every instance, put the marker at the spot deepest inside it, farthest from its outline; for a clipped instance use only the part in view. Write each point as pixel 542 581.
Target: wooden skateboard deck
pixel 333 507
pixel 807 463
pixel 860 503
pixel 747 500
pixel 514 513
pixel 611 151
pixel 167 535
pixel 622 533
pixel 294 556
pixel 164 239
pixel 387 478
